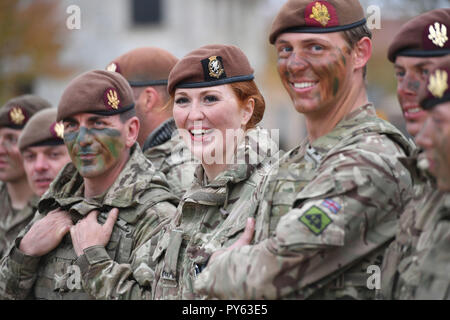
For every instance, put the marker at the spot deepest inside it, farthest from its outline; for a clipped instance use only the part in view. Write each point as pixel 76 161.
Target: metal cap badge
pixel 17 115
pixel 213 68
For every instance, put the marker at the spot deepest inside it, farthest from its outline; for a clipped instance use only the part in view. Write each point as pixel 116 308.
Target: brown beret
pixel 148 66
pixel 437 90
pixel 42 129
pixel 17 111
pixel 210 65
pixel 423 36
pixel 100 92
pixel 306 16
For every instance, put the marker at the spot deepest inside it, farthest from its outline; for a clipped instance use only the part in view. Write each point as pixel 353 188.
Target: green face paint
pixel 94 151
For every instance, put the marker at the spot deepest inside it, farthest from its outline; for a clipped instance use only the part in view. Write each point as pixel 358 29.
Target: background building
pixel 108 28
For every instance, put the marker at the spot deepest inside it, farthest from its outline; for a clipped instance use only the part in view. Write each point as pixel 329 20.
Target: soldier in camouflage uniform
pixel 146 70
pixel 414 53
pixel 18 203
pixel 43 151
pixel 211 85
pixel 433 270
pixel 108 170
pixel 329 209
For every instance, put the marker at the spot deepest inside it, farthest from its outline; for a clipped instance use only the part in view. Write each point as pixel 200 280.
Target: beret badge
pixel 438 34
pixel 57 130
pixel 438 83
pixel 111 99
pixel 320 14
pixel 17 116
pixel 112 67
pixel 215 67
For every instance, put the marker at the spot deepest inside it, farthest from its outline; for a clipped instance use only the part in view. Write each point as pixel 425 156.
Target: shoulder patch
pixel 316 220
pixel 332 205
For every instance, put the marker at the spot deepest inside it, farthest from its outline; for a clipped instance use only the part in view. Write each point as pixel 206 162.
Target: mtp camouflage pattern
pixel 113 272
pixel 400 270
pixel 174 159
pixel 328 212
pixel 211 216
pixel 13 221
pixel 434 271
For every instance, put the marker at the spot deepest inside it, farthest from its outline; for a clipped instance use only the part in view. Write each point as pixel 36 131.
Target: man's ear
pixel 132 131
pixel 362 53
pixel 151 98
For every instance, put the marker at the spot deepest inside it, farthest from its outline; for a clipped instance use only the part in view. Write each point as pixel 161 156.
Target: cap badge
pixel 111 67
pixel 112 99
pixel 320 14
pixel 215 67
pixel 438 83
pixel 438 34
pixel 16 115
pixel 59 130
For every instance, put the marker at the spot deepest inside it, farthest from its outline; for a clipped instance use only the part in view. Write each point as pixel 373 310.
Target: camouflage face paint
pixel 331 72
pixel 94 151
pixel 314 70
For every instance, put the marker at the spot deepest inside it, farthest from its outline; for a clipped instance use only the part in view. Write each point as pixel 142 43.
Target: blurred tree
pixel 31 37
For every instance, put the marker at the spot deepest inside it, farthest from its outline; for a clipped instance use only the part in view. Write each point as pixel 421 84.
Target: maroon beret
pixel 147 66
pixel 42 129
pixel 100 92
pixel 210 65
pixel 437 90
pixel 423 36
pixel 17 111
pixel 307 16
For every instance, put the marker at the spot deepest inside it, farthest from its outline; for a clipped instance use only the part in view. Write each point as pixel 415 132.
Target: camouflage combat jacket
pixel 400 269
pixel 328 211
pixel 117 271
pixel 13 221
pixel 434 282
pixel 211 215
pixel 174 159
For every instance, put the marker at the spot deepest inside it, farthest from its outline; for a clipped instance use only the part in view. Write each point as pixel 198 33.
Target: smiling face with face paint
pixel 315 70
pixel 412 74
pixel 97 144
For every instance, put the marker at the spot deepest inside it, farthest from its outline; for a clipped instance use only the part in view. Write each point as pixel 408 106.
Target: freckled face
pixel 412 74
pixel 96 144
pixel 11 165
pixel 314 69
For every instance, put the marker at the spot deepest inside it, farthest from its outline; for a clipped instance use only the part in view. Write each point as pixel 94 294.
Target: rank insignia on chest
pixel 316 220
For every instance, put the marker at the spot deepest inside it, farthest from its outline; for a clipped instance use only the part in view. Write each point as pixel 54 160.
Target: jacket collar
pixel 68 188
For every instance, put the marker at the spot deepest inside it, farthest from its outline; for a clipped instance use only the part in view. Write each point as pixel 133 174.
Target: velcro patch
pixel 316 220
pixel 332 205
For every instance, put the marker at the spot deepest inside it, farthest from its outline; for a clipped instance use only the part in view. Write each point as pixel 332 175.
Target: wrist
pixel 27 249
